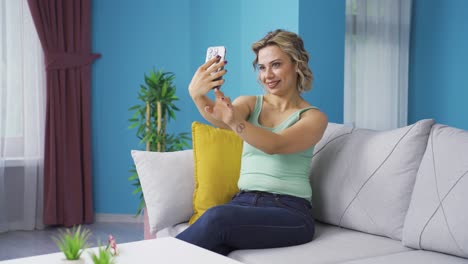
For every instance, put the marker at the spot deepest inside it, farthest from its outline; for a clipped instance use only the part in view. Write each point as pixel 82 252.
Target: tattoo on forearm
pixel 240 128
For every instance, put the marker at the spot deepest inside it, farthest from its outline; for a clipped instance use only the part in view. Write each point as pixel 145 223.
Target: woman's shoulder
pixel 249 100
pixel 245 104
pixel 313 113
pixel 248 97
pixel 304 106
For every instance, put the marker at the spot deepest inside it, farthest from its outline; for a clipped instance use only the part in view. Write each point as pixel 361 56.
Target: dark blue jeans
pixel 253 220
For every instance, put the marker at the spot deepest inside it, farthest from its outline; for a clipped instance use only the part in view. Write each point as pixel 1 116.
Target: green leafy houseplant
pixel 72 242
pixel 103 256
pixel 157 96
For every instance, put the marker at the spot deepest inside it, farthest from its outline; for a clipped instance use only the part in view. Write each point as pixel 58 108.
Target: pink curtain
pixel 65 33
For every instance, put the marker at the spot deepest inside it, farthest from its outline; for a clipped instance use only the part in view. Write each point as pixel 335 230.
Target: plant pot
pixel 74 261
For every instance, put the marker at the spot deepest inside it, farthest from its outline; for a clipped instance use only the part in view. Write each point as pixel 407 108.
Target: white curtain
pixel 22 119
pixel 376 63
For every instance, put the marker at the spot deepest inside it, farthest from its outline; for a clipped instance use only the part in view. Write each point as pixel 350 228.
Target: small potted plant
pixel 103 256
pixel 72 242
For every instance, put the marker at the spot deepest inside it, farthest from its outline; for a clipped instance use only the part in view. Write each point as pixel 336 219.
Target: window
pixel 22 77
pixel 376 63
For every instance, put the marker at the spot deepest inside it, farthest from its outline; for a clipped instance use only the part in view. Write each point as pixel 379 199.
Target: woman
pixel 279 130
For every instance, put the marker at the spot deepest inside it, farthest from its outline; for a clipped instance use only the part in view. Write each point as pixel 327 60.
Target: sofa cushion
pixel 411 257
pixel 438 214
pixel 172 231
pixel 331 245
pixel 167 183
pixel 217 156
pixel 362 179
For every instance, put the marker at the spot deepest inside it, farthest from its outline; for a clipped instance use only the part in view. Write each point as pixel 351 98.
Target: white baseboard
pixel 118 218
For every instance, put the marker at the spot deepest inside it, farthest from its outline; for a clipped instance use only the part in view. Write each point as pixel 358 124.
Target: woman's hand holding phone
pixel 209 76
pixel 206 78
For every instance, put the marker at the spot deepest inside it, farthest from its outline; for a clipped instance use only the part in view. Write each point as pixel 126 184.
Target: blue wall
pixel 134 37
pixel 173 35
pixel 237 25
pixel 322 27
pixel 438 86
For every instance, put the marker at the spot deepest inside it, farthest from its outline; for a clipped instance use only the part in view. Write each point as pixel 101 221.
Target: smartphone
pixel 216 51
pixel 213 52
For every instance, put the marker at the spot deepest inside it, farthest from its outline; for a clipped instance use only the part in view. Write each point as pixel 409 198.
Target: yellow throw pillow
pixel 217 156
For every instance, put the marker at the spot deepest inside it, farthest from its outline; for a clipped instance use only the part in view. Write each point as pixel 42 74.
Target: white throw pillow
pixel 362 179
pixel 167 182
pixel 437 217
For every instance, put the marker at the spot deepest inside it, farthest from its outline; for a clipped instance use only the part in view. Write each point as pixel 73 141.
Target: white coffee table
pixel 160 250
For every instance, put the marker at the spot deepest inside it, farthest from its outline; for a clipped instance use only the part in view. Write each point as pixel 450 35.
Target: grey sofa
pixel 398 196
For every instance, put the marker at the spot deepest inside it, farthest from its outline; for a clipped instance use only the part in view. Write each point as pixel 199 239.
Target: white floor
pixel 19 244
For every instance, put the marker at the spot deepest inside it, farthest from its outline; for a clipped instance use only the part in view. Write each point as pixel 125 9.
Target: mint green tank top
pixel 278 173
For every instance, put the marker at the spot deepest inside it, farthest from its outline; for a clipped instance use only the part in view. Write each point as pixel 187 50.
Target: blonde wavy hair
pixel 291 44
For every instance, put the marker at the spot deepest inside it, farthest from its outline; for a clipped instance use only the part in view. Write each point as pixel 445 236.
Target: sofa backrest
pixel 363 179
pixel 437 218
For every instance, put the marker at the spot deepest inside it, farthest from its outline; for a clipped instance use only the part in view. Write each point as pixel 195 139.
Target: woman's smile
pixel 272 84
